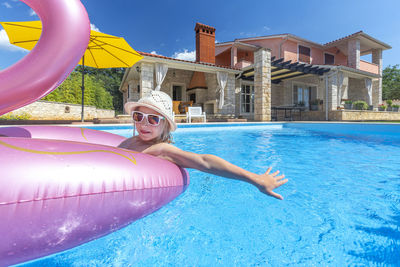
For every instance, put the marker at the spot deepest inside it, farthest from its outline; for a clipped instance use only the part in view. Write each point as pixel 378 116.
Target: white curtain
pixel 222 78
pixel 368 85
pixel 339 88
pixel 161 71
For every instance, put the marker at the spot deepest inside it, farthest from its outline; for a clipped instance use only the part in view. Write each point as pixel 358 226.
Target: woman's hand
pixel 267 182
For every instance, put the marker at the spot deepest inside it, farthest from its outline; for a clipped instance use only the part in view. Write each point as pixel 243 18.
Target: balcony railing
pixel 370 67
pixel 243 63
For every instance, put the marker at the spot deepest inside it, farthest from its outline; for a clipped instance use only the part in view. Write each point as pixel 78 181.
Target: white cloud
pixel 266 28
pixel 6 4
pixel 185 55
pixel 32 13
pixel 153 53
pixel 93 27
pixel 5 43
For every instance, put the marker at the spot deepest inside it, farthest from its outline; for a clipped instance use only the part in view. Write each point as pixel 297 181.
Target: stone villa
pixel 255 78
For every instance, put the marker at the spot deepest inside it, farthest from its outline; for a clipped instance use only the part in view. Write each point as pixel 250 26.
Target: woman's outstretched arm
pixel 215 165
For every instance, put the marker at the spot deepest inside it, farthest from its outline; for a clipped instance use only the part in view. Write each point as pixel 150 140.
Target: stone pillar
pixel 146 78
pixel 229 97
pixel 233 56
pixel 262 85
pixel 377 86
pixel 332 92
pixel 353 53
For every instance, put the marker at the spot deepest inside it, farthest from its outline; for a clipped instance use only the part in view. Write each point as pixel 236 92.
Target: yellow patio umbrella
pixel 104 51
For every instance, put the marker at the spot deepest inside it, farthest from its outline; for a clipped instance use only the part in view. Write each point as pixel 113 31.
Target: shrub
pixel 395 106
pixel 12 117
pixel 360 105
pixel 389 102
pixel 382 107
pixel 348 102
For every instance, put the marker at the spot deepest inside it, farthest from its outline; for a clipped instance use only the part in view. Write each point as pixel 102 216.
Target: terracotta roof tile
pixel 348 36
pixel 181 60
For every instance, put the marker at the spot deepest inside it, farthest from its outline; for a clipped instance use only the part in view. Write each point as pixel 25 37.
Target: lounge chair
pixel 195 112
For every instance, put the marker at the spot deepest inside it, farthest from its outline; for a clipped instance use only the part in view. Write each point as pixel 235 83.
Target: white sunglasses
pixel 152 119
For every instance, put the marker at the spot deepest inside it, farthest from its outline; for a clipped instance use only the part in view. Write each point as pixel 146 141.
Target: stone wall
pixel 177 77
pixel 212 84
pixel 370 115
pixel 376 92
pixel 44 110
pixel 351 115
pixel 277 95
pixel 287 88
pixel 357 90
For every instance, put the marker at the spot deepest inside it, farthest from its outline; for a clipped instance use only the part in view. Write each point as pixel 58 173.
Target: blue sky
pixel 167 27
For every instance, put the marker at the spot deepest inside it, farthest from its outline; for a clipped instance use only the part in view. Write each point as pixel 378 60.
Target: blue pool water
pixel 341 206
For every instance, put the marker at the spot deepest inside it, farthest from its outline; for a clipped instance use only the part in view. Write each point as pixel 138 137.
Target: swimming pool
pixel 341 207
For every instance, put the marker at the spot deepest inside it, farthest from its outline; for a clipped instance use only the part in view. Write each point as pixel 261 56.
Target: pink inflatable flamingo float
pixel 73 185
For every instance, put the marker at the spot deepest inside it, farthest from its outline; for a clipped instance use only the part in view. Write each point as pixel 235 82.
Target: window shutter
pixel 304 54
pixel 329 59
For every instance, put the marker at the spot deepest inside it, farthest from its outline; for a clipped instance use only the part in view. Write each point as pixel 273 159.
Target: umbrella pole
pixel 83 88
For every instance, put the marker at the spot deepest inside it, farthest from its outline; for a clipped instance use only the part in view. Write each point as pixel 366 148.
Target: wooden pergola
pixel 283 70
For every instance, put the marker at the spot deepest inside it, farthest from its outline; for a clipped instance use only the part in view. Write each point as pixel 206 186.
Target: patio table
pixel 288 112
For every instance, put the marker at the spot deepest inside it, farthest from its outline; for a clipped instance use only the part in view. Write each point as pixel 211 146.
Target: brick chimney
pixel 205 43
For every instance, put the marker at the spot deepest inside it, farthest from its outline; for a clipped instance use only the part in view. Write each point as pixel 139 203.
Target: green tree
pixel 391 82
pixel 70 92
pixel 111 79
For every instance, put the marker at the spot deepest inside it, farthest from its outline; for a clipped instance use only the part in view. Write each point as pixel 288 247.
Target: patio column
pixel 233 56
pixel 333 92
pixel 146 78
pixel 342 92
pixel 262 85
pixel 353 50
pixel 345 87
pixel 377 85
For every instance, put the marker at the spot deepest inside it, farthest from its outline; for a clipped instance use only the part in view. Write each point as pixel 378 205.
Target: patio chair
pixel 195 112
pixel 175 107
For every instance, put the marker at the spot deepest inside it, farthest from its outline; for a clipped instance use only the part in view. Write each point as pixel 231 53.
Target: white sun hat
pixel 159 102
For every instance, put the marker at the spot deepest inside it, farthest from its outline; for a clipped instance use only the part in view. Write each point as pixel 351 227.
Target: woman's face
pixel 148 132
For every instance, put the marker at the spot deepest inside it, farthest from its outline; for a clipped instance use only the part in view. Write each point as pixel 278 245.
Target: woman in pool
pixel 153 119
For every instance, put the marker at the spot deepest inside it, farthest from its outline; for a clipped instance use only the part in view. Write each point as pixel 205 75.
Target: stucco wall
pixel 290 50
pixel 223 59
pixel 272 44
